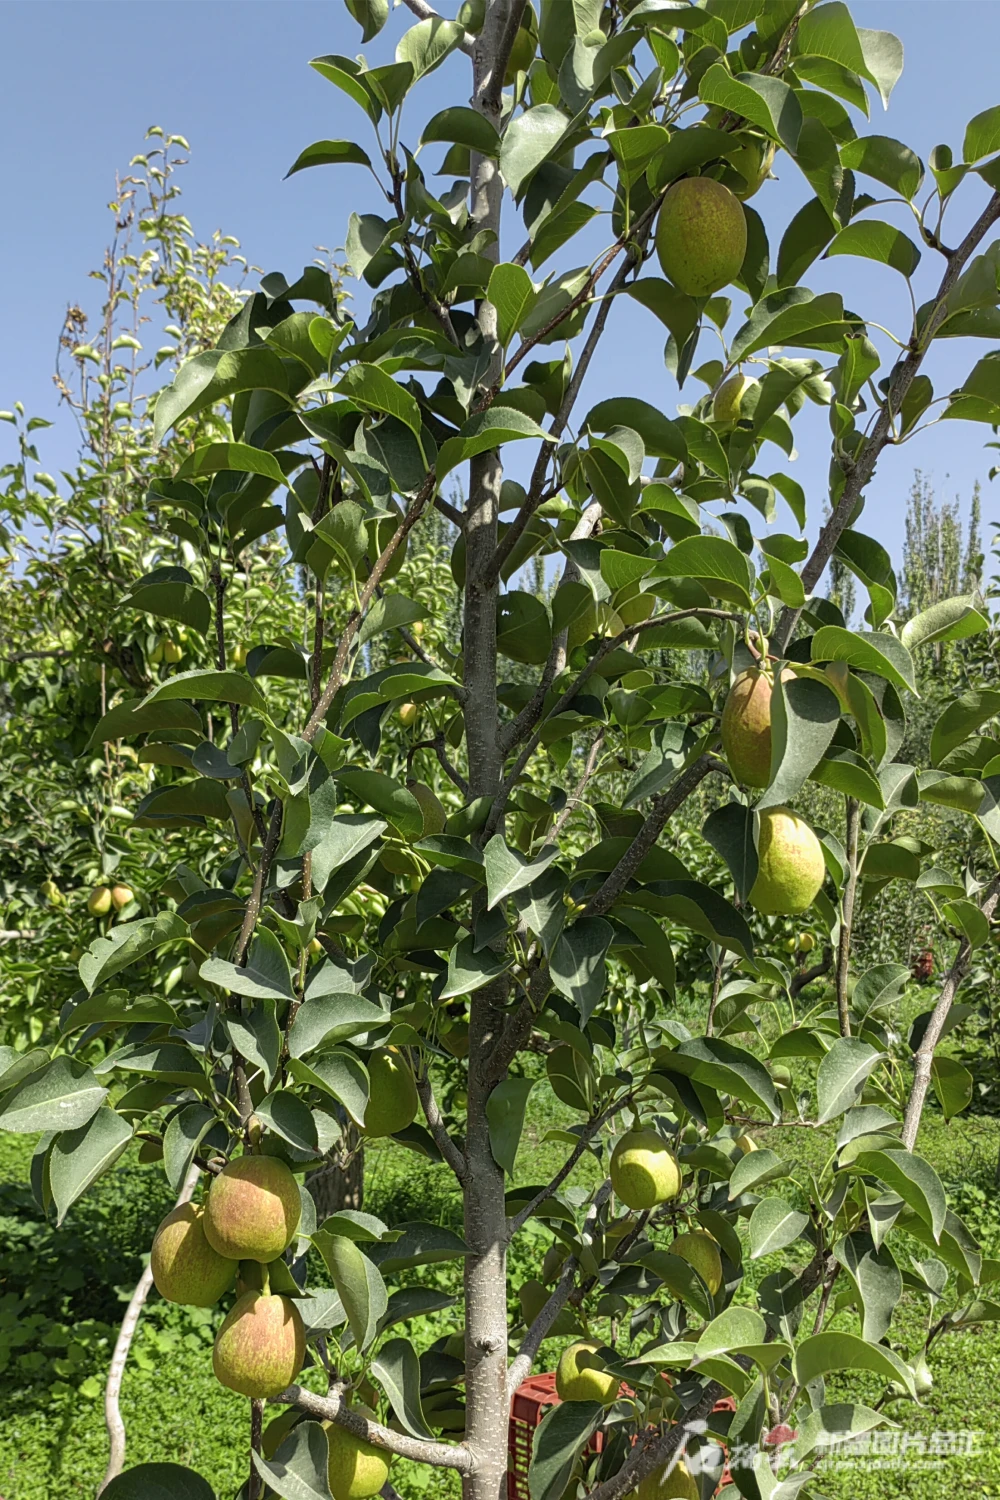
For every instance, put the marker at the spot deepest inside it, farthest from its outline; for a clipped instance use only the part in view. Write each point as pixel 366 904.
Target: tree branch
pixel 924 1055
pixel 853 822
pixel 571 802
pixel 520 1367
pixel 517 1223
pixel 425 12
pixel 332 1408
pixel 900 380
pixel 119 1359
pixel 448 1148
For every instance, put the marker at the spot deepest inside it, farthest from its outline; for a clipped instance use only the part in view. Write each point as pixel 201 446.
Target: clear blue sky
pixel 84 79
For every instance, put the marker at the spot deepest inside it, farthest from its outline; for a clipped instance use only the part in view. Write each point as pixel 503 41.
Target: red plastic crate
pixel 529 1405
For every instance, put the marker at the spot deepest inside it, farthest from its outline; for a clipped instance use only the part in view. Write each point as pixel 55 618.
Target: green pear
pixel 752 160
pixel 644 1172
pixel 728 403
pixel 701 1252
pixel 185 1267
pixel 99 901
pixel 701 236
pixel 253 1209
pixel 392 1100
pixel 581 1377
pixel 261 1346
pixel 122 895
pixel 51 892
pixel 676 1484
pixel 781 1076
pixel 791 867
pixel 746 726
pixel 357 1469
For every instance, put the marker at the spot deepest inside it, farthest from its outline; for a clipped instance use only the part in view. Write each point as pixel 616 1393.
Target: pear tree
pixel 484 877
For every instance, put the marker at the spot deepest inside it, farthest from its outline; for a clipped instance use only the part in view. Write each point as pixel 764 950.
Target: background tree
pixel 461 926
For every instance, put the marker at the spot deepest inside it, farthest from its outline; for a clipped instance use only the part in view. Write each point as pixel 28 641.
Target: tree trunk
pixel 339 1184
pixel 485 1214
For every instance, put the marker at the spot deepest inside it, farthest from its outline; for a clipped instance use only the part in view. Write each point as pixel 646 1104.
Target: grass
pixel 61 1296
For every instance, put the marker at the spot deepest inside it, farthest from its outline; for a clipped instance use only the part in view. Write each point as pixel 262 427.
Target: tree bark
pixel 336 1185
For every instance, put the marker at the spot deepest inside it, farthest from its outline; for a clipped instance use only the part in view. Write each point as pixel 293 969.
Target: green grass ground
pixel 61 1296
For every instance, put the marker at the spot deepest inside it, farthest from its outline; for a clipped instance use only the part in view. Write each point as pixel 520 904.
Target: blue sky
pixel 84 79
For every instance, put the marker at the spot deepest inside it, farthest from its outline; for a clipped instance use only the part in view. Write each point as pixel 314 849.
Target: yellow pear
pixel 409 713
pixel 122 895
pixel 746 726
pixel 701 236
pixel 357 1469
pixel 791 868
pixel 644 1172
pixel 580 1376
pixel 99 901
pixel 676 1484
pixel 701 1252
pixel 392 1099
pixel 746 1144
pixel 728 403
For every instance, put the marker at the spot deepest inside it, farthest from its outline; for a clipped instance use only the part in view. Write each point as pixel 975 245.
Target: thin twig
pixel 332 1408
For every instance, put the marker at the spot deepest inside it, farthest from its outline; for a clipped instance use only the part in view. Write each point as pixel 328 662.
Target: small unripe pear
pixel 701 1252
pixel 99 901
pixel 753 162
pixel 677 1484
pixel 238 657
pixel 392 1099
pixel 357 1469
pixel 51 892
pixel 253 1209
pixel 781 1076
pixel 644 1172
pixel 409 713
pixel 172 652
pixel 185 1267
pixel 580 1377
pixel 791 867
pixel 728 403
pixel 807 942
pixel 121 895
pixel 701 236
pixel 435 816
pixel 261 1346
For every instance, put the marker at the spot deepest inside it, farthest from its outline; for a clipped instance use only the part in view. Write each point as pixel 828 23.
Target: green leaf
pixel 161 1482
pixel 824 1353
pixel 387 797
pixel 508 871
pixel 827 1426
pixel 559 1438
pixel 16 1066
pixel 397 1369
pixel 512 293
pixel 873 239
pixel 848 773
pixel 913 1178
pixel 876 1276
pixel 344 72
pixel 888 161
pixel 734 1330
pixel 489 429
pixel 967 917
pixel 132 718
pixel 181 1139
pixel 577 967
pixel 696 905
pixel 505 1109
pixel 792 316
pixel 339 1073
pixel 299 1469
pixel 465 127
pixel 214 376
pixel 63 1096
pixel 773 1226
pixel 883 60
pixel 371 389
pixel 419 1244
pixel 726 1068
pixel 172 597
pixel 358 1282
pixel 754 1169
pixel 389 613
pixel 331 1018
pixel 291 1118
pixel 964 716
pixel 426 45
pixel 804 719
pixel 528 140
pixel 660 436
pixel 671 745
pixel 126 943
pixel 80 1156
pixel 330 154
pixel 257 1036
pixel 842 1075
pixel 764 101
pixel 869 561
pixel 948 620
pixel 225 687
pixel 867 651
pixel 265 976
pixel 371 16
pixel 717 563
pixel 953 1084
pixel 469 970
pixel 729 830
pixel 116 1008
pixel 982 135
